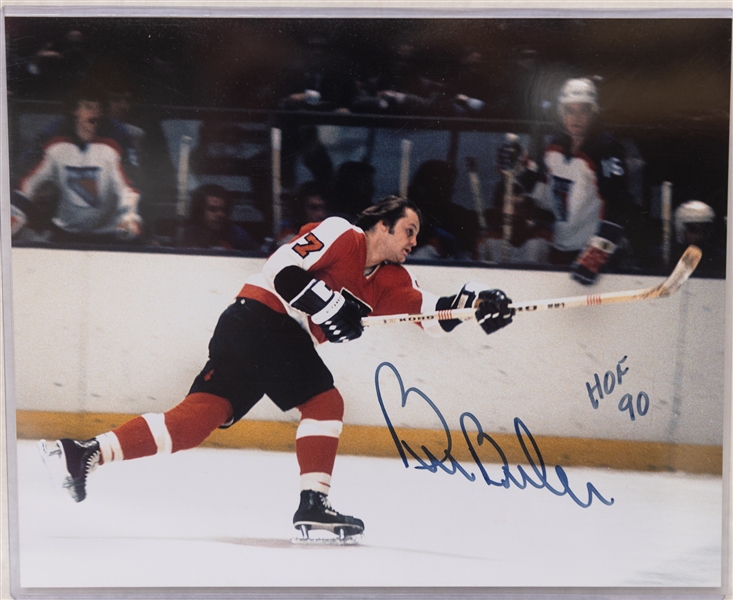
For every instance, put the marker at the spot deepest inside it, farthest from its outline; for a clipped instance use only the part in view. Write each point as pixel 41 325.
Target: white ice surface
pixel 222 518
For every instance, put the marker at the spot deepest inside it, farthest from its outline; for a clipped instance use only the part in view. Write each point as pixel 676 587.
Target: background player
pixel 583 181
pixel 695 223
pixel 314 289
pixel 95 199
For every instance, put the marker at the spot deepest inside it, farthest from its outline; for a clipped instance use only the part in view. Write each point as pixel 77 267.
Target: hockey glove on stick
pixel 493 311
pixel 338 315
pixel 467 298
pixel 592 259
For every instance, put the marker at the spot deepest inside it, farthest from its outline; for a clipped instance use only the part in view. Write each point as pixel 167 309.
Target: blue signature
pixel 537 477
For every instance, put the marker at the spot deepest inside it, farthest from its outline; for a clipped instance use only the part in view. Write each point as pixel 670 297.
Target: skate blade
pixel 349 540
pixel 54 458
pixel 341 536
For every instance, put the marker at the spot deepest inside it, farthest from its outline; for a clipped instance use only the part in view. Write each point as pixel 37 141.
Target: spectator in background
pixel 319 81
pixel 322 80
pixel 167 70
pixel 210 223
pixel 470 88
pixel 353 189
pixel 84 161
pixel 309 206
pixel 56 66
pixel 146 148
pixel 448 230
pixel 403 89
pixel 120 100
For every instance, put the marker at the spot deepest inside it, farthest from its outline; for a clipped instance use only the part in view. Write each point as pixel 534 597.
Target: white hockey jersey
pixel 583 188
pixel 94 189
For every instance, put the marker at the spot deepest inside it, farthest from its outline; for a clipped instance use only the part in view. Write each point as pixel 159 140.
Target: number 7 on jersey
pixel 310 244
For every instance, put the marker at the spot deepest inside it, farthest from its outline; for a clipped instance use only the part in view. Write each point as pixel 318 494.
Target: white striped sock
pixel 156 423
pixel 109 446
pixel 318 482
pixel 309 427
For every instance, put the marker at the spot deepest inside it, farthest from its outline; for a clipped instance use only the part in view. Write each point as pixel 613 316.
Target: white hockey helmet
pixel 581 91
pixel 691 212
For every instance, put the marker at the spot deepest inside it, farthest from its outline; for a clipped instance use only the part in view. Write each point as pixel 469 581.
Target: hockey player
pixel 314 289
pixel 695 223
pixel 582 181
pixel 521 234
pixel 96 201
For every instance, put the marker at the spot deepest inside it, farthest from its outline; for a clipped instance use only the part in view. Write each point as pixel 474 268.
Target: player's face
pixel 215 213
pixel 120 104
pixel 315 209
pixel 697 233
pixel 403 237
pixel 576 118
pixel 87 116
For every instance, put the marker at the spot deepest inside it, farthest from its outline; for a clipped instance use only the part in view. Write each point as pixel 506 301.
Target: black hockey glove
pixel 466 298
pixel 339 317
pixel 493 311
pixel 472 294
pixel 344 325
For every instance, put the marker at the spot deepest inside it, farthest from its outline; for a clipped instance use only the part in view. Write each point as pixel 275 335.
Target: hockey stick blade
pixel 681 273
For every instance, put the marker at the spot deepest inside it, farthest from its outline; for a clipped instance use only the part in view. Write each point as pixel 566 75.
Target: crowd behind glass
pixel 96 94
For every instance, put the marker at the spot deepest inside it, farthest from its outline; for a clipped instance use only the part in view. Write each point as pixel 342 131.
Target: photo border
pixel 322 9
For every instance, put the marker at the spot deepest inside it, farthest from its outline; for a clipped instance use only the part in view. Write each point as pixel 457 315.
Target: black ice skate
pixel 315 512
pixel 69 462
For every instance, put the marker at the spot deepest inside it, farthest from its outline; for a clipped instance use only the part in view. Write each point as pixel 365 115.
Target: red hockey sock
pixel 135 440
pixel 185 426
pixel 194 419
pixel 316 441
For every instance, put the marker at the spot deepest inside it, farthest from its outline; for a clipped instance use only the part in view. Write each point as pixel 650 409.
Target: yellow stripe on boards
pixel 363 440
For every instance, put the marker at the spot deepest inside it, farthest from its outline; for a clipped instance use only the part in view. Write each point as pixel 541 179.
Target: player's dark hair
pixel 309 189
pixel 389 210
pixel 198 200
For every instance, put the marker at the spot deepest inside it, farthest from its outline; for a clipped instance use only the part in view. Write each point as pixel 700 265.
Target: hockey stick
pixel 666 221
pixel 669 286
pixel 405 167
pixel 478 200
pixel 276 143
pixel 508 210
pixel 182 203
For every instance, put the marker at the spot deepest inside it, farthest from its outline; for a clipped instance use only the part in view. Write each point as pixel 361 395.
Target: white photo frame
pixel 663 470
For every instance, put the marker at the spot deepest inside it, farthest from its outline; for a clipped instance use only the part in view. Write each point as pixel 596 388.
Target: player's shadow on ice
pixel 239 541
pixel 275 543
pixel 257 542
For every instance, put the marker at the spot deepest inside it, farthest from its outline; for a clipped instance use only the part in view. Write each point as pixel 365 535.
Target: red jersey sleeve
pixel 400 293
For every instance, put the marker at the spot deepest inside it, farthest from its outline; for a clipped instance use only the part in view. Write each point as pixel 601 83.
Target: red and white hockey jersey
pixel 94 188
pixel 335 251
